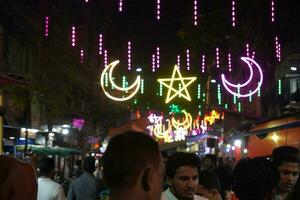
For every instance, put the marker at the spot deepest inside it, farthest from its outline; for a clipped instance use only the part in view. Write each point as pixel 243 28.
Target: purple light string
pixel 195 13
pixel 120 5
pixel 278 49
pixel 73 36
pixel 272 11
pixel 178 61
pixel 100 44
pixel 129 55
pixel 229 62
pixel 188 59
pixel 46 26
pixel 153 63
pixel 233 12
pixel 157 58
pixel 253 54
pixel 203 64
pixel 81 55
pixel 105 58
pixel 247 50
pixel 158 9
pixel 217 57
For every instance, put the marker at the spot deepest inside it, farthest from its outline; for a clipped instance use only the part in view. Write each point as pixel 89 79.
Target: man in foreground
pixel 132 167
pixel 182 170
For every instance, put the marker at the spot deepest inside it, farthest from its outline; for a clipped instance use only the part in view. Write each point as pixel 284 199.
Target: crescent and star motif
pixel 250 63
pixel 132 89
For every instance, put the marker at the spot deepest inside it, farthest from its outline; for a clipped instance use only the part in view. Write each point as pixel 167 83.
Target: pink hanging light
pixel 247 50
pixel 157 57
pixel 188 59
pixel 120 5
pixel 272 11
pixel 229 62
pixel 217 57
pixel 100 44
pixel 203 64
pixel 195 12
pixel 153 63
pixel 46 26
pixel 253 54
pixel 233 13
pixel 81 55
pixel 278 49
pixel 129 55
pixel 178 61
pixel 73 36
pixel 158 9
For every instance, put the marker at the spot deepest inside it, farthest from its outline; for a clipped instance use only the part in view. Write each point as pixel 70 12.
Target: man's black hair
pixel 180 159
pixel 209 180
pixel 126 156
pixel 282 151
pixel 89 164
pixel 254 178
pixel 46 166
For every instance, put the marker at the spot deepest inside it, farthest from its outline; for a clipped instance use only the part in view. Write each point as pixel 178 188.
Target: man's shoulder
pixel 197 197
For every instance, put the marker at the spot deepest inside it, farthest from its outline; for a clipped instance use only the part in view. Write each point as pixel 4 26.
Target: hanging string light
pixel 219 95
pixel 277 49
pixel 233 13
pixel 250 97
pixel 142 86
pixel 81 56
pixel 158 9
pixel 157 57
pixel 120 5
pixel 178 61
pixel 188 59
pixel 217 57
pixel 203 64
pixel 46 26
pixel 272 11
pixel 279 87
pixel 199 91
pixel 253 54
pixel 105 57
pixel 247 50
pixel 100 44
pixel 195 13
pixel 73 36
pixel 129 55
pixel 160 89
pixel 229 62
pixel 153 63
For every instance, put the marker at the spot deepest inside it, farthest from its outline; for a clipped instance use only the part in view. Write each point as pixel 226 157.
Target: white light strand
pixel 100 44
pixel 233 6
pixel 272 11
pixel 81 55
pixel 158 9
pixel 229 62
pixel 153 63
pixel 73 36
pixel 247 50
pixel 278 49
pixel 203 64
pixel 157 58
pixel 178 61
pixel 129 55
pixel 195 12
pixel 46 26
pixel 120 5
pixel 188 59
pixel 105 58
pixel 217 57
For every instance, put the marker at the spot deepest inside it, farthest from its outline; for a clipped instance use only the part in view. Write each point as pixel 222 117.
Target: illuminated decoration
pixel 172 92
pixel 233 6
pixel 272 11
pixel 46 26
pixel 158 9
pixel 226 106
pixel 195 12
pixel 153 63
pixel 234 99
pixel 247 50
pixel 253 54
pixel 155 119
pixel 178 61
pixel 199 91
pixel 279 87
pixel 186 124
pixel 77 123
pixel 86 1
pixel 278 49
pixel 259 92
pixel 105 58
pixel 219 95
pixel 239 107
pixel 106 81
pixel 174 108
pixel 142 86
pixel 123 82
pixel 217 57
pixel 212 117
pixel 229 62
pixel 100 44
pixel 157 57
pixel 81 56
pixel 188 59
pixel 73 36
pixel 132 90
pixel 120 5
pixel 275 137
pixel 250 63
pixel 129 55
pixel 203 64
pixel 250 97
pixel 160 89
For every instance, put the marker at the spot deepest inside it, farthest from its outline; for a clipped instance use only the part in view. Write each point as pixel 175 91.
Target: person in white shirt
pixel 182 171
pixel 47 188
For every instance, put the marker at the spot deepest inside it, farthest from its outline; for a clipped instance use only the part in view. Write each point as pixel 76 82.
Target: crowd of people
pixel 134 168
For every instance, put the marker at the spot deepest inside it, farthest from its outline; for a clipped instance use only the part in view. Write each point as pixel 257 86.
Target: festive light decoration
pixel 120 5
pixel 247 50
pixel 250 97
pixel 195 12
pixel 105 58
pixel 250 63
pixel 253 54
pixel 212 117
pixel 129 55
pixel 81 55
pixel 100 44
pixel 217 57
pixel 153 63
pixel 239 107
pixel 233 13
pixel 174 108
pixel 73 36
pixel 173 92
pixel 142 86
pixel 158 9
pixel 178 61
pixel 186 124
pixel 278 49
pixel 199 91
pixel 272 11
pixel 46 26
pixel 132 90
pixel 229 62
pixel 279 87
pixel 203 64
pixel 219 95
pixel 188 59
pixel 160 89
pixel 157 57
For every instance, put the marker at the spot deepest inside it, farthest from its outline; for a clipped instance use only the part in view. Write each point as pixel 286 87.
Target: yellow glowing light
pixel 126 90
pixel 275 137
pixel 184 85
pixel 160 132
pixel 186 124
pixel 212 117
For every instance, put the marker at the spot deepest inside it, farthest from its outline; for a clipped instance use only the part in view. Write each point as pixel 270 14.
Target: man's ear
pixel 146 179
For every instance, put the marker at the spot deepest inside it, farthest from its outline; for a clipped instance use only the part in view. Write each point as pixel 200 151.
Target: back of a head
pixel 209 180
pixel 285 154
pixel 89 164
pixel 126 156
pixel 46 166
pixel 254 178
pixel 180 159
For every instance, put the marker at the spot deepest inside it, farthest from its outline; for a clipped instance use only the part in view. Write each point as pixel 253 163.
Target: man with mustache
pixel 182 171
